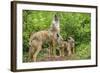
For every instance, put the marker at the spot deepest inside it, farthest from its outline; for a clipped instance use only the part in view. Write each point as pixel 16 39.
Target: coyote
pixel 38 38
pixel 67 46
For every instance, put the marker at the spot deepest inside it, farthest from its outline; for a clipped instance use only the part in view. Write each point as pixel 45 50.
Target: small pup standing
pixel 67 47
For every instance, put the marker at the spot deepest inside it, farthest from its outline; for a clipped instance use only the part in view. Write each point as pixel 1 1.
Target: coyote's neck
pixel 55 26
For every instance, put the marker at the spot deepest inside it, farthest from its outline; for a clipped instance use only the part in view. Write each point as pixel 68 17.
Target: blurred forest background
pixel 72 24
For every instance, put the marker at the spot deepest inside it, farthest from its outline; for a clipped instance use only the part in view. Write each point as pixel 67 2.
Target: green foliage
pixel 72 24
pixel 83 51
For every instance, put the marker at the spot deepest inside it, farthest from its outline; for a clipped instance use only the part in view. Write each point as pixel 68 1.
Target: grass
pixel 83 51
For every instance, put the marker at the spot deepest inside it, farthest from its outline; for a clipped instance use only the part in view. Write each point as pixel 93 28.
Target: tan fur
pixel 67 47
pixel 63 46
pixel 37 39
pixel 71 46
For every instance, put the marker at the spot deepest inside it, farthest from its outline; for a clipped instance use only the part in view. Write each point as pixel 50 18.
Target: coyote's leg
pixel 69 50
pixel 31 52
pixel 36 53
pixel 49 52
pixel 62 51
pixel 54 49
pixel 73 50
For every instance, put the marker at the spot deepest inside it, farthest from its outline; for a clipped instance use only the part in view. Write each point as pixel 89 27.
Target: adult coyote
pixel 37 39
